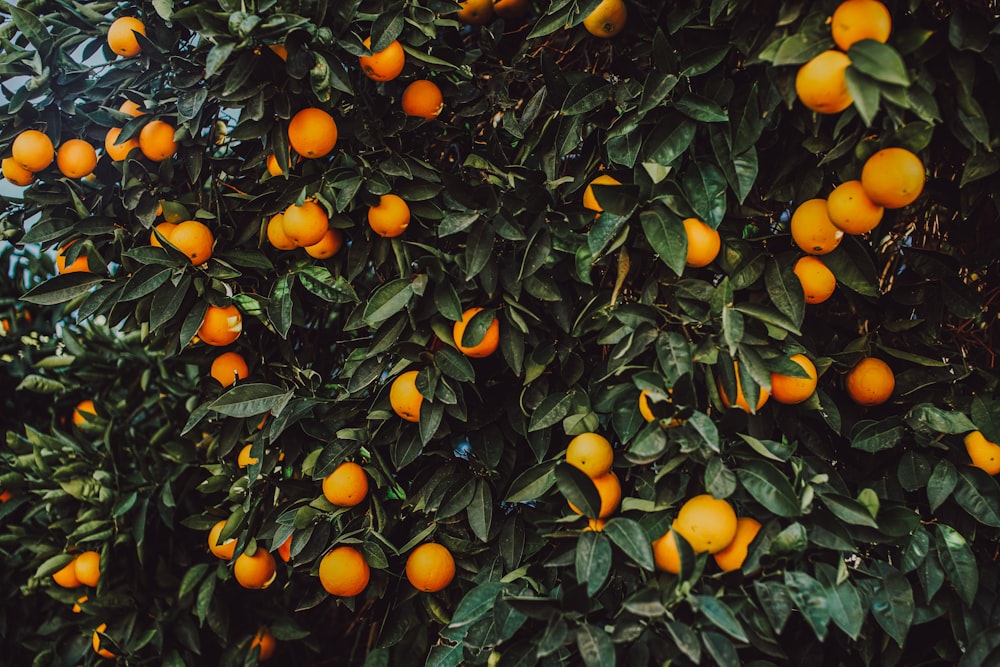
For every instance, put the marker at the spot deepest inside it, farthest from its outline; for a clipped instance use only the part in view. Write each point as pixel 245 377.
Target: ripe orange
pixel 589 200
pixel 791 390
pixel 855 20
pixel 423 99
pixel 707 523
pixel 96 642
pixel 264 642
pixel 88 568
pixel 15 173
pixel 871 382
pixel 984 454
pixel 77 606
pixel 591 453
pixel 510 9
pixel 223 550
pixel 306 224
pixel 165 229
pixel 485 347
pixel 391 217
pixel 33 150
pixel 245 458
pixel 346 486
pixel 609 489
pixel 285 549
pixel 80 264
pixel 430 567
pixel 385 65
pixel 812 230
pixel 222 325
pixel 404 397
pixel 276 233
pixel 665 553
pixel 343 572
pixel 704 243
pixel 66 577
pixel 116 151
pixel 607 19
pixel 312 132
pixel 821 83
pixel 156 140
pixel 279 50
pixel 274 168
pixel 852 210
pixel 475 12
pixel 83 407
pixel 6 494
pixel 76 158
pixel 818 281
pixel 121 36
pixel 131 108
pixel 194 239
pixel 732 557
pixel 255 571
pixel 229 367
pixel 328 246
pixel 893 177
pixel 741 400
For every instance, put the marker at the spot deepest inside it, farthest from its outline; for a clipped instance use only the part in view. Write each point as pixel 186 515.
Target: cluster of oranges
pixel 33 151
pixel 708 525
pixel 593 454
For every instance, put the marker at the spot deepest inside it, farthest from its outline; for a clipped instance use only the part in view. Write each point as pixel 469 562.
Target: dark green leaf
pixel 892 602
pixel 593 560
pixel 248 400
pixel 630 537
pixel 720 615
pixel 810 598
pixel 958 562
pixel 769 487
pixel 595 646
pixel 879 61
pixel 979 495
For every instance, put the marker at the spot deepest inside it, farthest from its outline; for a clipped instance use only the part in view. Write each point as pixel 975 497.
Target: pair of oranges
pixel 33 151
pixel 344 572
pixel 709 525
pixel 421 98
pixel 593 455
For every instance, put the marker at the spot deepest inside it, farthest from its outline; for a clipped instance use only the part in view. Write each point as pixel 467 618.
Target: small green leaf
pixel 593 560
pixel 248 400
pixel 665 233
pixel 630 537
pixel 879 61
pixel 769 487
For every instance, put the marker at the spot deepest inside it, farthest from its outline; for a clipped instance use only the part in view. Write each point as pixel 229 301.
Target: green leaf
pixel 865 92
pixel 586 95
pixel 578 489
pixel 279 304
pixel 454 364
pixel 720 615
pixel 476 604
pixel 848 509
pixel 958 562
pixel 979 495
pixel 248 400
pixel 595 646
pixel 673 351
pixel 669 139
pixel 879 61
pixel 62 288
pixel 686 640
pixel 630 537
pixel 480 510
pixel 892 602
pixel 551 410
pixel 983 650
pixel 810 597
pixel 705 190
pixel 720 648
pixel 31 27
pixel 986 415
pixel 785 291
pixel 531 484
pixel 387 300
pixel 937 420
pixel 593 560
pixel 769 487
pixel 665 233
pixel 870 436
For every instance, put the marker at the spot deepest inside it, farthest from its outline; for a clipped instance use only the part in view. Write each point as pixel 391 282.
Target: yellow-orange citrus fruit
pixel 983 453
pixel 80 264
pixel 391 217
pixel 731 558
pixel 118 151
pixel 77 606
pixel 430 567
pixel 312 132
pixel 791 390
pixel 33 150
pixel 704 243
pixel 589 200
pixel 595 525
pixel 131 108
pixel 255 572
pixel 95 641
pixel 609 489
pixel 15 173
pixel 423 99
pixel 156 140
pixel 510 9
pixel 121 36
pixel 229 367
pixel 385 65
pixel 607 19
pixel 328 246
pixel 343 572
pixel 818 281
pixel 245 457
pixel 84 407
pixel 76 158
pixel 405 398
pixel 66 577
pixel 741 400
pixel 812 230
pixel 306 224
pixel 475 12
pixel 222 325
pixel 265 643
pixel 279 50
pixel 274 168
pixel 346 486
pixel 485 347
pixel 88 568
pixel 647 411
pixel 276 233
pixel 194 239
pixel 821 83
pixel 893 177
pixel 591 453
pixel 665 553
pixel 855 20
pixel 852 210
pixel 707 523
pixel 223 550
pixel 870 382
pixel 165 229
pixel 285 549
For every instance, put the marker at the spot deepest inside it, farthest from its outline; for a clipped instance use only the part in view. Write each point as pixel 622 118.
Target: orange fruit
pixel 66 577
pixel 485 347
pixel 245 458
pixel 893 177
pixel 265 643
pixel 131 108
pixel 222 325
pixel 276 233
pixel 6 494
pixel 430 567
pixel 647 411
pixel 731 558
pixel 347 485
pixel 279 50
pixel 80 264
pixel 116 151
pixel 88 568
pixel 229 367
pixel 812 230
pixel 121 36
pixel 791 390
pixel 328 246
pixel 312 132
pixel 194 239
pixel 385 65
pixel 591 453
pixel 76 158
pixel 704 243
pixel 741 400
pixel 870 382
pixel 87 407
pixel 511 9
pixel 609 489
pixel 255 571
pixel 818 281
pixel 15 173
pixel 821 83
pixel 77 606
pixel 165 229
pixel 983 453
pixel 589 200
pixel 285 549
pixel 423 99
pixel 96 642
pixel 607 19
pixel 595 525
pixel 33 150
pixel 852 210
pixel 156 140
pixel 274 168
pixel 343 572
pixel 707 523
pixel 404 397
pixel 475 12
pixel 223 550
pixel 391 217
pixel 855 20
pixel 305 225
pixel 665 553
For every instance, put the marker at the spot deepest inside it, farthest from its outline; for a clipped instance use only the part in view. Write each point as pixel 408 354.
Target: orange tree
pixel 381 213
